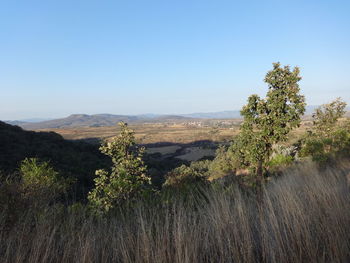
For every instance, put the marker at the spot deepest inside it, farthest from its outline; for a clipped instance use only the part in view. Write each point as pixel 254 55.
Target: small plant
pixel 187 184
pixel 40 175
pixel 41 182
pixel 223 164
pixel 127 181
pixel 186 176
pixel 36 188
pixel 280 160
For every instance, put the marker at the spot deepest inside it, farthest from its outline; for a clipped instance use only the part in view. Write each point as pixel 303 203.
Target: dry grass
pixel 196 153
pixel 174 133
pixel 150 133
pixel 303 216
pixel 163 149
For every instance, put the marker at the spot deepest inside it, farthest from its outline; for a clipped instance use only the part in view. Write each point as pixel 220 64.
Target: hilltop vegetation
pixel 263 198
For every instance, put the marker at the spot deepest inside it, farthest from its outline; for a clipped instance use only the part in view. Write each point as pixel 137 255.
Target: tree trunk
pixel 259 172
pixel 259 180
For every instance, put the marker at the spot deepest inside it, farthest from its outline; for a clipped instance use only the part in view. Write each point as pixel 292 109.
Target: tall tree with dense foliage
pixel 268 121
pixel 127 181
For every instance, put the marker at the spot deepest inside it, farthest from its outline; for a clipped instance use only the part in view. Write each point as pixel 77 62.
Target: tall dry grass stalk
pixel 303 216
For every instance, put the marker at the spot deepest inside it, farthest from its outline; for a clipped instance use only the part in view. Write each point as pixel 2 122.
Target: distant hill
pixel 215 115
pixel 100 120
pixel 235 114
pixel 24 121
pixel 18 123
pixel 96 120
pixel 79 120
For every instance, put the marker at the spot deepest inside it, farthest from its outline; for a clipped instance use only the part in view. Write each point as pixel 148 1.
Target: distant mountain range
pixel 96 120
pixel 99 120
pixel 235 114
pixel 215 115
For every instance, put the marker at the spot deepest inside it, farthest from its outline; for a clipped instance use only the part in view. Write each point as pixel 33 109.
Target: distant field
pixel 161 132
pixel 153 133
pixel 196 153
pixel 171 140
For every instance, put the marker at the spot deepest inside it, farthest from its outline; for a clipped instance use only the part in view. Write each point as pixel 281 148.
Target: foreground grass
pixel 302 216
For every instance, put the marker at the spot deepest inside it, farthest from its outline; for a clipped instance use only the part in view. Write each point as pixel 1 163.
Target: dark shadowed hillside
pixel 74 159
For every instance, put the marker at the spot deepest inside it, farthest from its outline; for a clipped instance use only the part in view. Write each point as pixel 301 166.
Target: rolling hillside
pixel 96 120
pixel 106 120
pixel 71 158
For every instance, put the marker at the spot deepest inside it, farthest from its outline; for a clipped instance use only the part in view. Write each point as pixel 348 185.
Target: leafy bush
pixel 40 176
pixel 186 176
pixel 75 159
pixel 325 149
pixel 223 164
pixel 329 137
pixel 36 188
pixel 280 160
pixel 127 181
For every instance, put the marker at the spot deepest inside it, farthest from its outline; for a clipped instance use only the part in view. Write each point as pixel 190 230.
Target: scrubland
pixel 301 216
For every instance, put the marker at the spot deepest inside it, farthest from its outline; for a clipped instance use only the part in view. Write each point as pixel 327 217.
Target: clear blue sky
pixel 130 57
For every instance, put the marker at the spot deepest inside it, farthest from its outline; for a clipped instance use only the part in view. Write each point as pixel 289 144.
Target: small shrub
pixel 40 176
pixel 127 181
pixel 223 164
pixel 279 161
pixel 186 176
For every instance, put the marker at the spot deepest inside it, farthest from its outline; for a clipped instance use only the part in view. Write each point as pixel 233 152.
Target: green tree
pixel 268 121
pixel 326 117
pixel 127 181
pixel 329 136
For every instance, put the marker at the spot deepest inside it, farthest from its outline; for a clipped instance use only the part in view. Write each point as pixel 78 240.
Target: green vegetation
pixel 330 137
pixel 268 121
pixel 143 207
pixel 32 191
pixel 71 159
pixel 41 176
pixel 223 164
pixel 127 180
pixel 304 218
pixel 184 176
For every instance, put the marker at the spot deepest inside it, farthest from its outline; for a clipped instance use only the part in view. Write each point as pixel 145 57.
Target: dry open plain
pixel 153 133
pixel 150 133
pixel 180 140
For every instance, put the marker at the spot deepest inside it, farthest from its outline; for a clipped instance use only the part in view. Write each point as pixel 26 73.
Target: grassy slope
pixel 304 216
